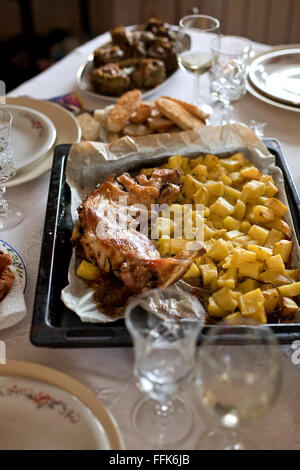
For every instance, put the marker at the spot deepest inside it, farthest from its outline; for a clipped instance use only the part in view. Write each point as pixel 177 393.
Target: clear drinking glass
pixel 164 362
pixel 193 41
pixel 10 212
pixel 238 380
pixel 230 56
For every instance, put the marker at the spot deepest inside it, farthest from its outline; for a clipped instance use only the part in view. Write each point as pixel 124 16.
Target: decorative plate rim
pixel 22 261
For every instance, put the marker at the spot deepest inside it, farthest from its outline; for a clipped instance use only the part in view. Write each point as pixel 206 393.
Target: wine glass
pixel 164 350
pixel 11 213
pixel 193 41
pixel 230 56
pixel 238 380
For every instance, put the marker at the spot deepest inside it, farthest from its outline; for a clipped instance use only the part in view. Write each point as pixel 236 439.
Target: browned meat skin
pixel 109 237
pixel 6 276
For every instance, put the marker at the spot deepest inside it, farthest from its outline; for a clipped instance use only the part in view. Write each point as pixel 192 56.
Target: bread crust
pixel 119 115
pixel 177 114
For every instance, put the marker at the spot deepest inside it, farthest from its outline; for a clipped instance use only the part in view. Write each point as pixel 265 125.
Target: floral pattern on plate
pixel 17 262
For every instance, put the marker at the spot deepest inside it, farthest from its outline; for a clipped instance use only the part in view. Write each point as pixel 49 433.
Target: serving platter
pixel 44 409
pixel 53 324
pixel 276 74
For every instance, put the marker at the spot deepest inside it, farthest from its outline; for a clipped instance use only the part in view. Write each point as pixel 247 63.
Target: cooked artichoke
pixel 110 79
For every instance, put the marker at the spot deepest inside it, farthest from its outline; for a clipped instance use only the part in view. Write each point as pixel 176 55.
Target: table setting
pixel 121 339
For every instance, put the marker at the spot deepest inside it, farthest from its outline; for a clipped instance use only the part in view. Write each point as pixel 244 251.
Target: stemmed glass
pixel 11 213
pixel 193 41
pixel 230 56
pixel 164 350
pixel 238 380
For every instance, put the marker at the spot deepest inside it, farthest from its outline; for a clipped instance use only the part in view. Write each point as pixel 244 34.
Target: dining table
pixel 108 372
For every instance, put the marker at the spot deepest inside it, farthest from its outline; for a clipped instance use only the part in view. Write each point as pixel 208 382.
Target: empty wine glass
pixel 11 213
pixel 238 380
pixel 193 41
pixel 230 56
pixel 164 362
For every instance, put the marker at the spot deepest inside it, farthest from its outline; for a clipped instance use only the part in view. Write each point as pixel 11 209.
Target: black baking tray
pixel 53 324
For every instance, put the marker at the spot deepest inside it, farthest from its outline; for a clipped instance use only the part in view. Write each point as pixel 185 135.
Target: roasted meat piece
pixel 6 276
pixel 149 73
pixel 109 232
pixel 110 79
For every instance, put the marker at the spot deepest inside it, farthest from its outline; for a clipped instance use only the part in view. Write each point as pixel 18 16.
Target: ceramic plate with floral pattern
pixel 33 134
pixel 44 409
pixel 17 262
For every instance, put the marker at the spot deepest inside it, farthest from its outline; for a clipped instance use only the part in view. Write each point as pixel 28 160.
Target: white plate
pixel 267 100
pixel 32 134
pixel 44 409
pixel 67 131
pixel 276 74
pixel 84 71
pixel 17 262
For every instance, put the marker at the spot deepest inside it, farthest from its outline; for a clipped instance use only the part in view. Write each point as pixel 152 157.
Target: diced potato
pixel 247 286
pixel 273 277
pixel 251 302
pixel 88 271
pixel 178 244
pixel 240 157
pixel 271 300
pixel 283 248
pixel 190 185
pixel 259 234
pixel 250 173
pixel 214 310
pixel 232 234
pixel 270 189
pixel 235 319
pixel 290 290
pixel 228 279
pixel 196 161
pixel 292 274
pixel 241 241
pixel 185 164
pixel 249 270
pixel 275 263
pixel 262 214
pixel 208 232
pixel 215 188
pixel 239 209
pixel 252 191
pixel 241 256
pixel 222 207
pixel 211 161
pixel 162 227
pixel 277 206
pixel 273 237
pixel 209 273
pixel 245 226
pixel 231 224
pixel 289 307
pixel 202 196
pixel 219 250
pixel 192 272
pixel 231 193
pixel 226 299
pixel 262 253
pixel 225 179
pixel 164 246
pixel 260 315
pixel 230 165
pixel 281 226
pixel 199 171
pixel 236 178
pixel 175 161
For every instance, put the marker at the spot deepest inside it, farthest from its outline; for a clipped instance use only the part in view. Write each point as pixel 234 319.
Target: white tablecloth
pixel 109 371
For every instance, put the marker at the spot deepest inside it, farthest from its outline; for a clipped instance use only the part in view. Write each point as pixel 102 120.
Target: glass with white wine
pixel 238 381
pixel 193 41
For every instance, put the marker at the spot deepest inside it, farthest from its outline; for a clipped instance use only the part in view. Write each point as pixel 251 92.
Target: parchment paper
pixel 90 162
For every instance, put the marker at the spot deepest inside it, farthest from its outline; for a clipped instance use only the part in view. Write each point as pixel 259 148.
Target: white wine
pixel 196 62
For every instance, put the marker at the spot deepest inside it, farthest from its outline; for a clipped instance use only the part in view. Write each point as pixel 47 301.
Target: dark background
pixel 34 34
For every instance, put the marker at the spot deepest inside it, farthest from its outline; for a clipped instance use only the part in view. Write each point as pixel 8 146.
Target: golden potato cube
pixel 241 241
pixel 190 185
pixel 259 234
pixel 249 270
pixel 219 250
pixel 231 224
pixel 178 244
pixel 185 164
pixel 283 248
pixel 211 161
pixel 202 196
pixel 275 263
pixel 250 302
pixel 162 227
pixel 271 300
pixel 196 161
pixel 273 277
pixel 222 207
pixel 281 226
pixel 290 290
pixel 262 253
pixel 270 189
pixel 235 319
pixel 230 165
pixel 208 232
pixel 232 234
pixel 164 246
pixel 277 206
pixel 175 161
pixel 209 273
pixel 199 171
pixel 292 274
pixel 289 307
pixel 231 193
pixel 226 299
pixel 260 315
pixel 228 279
pixel 214 310
pixel 239 209
pixel 240 157
pixel 273 237
pixel 225 179
pixel 215 188
pixel 245 226
pixel 247 286
pixel 192 272
pixel 250 173
pixel 241 256
pixel 252 190
pixel 262 214
pixel 236 178
pixel 88 271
